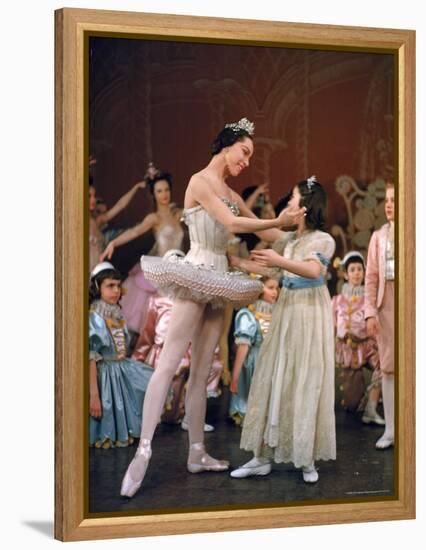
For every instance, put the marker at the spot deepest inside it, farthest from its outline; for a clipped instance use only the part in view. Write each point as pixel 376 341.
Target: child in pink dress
pixel 354 349
pixel 379 308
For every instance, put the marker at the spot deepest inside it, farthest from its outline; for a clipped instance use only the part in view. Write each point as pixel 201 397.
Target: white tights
pixel 189 322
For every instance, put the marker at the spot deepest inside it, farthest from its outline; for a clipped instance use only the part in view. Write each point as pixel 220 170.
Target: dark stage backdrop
pixel 316 112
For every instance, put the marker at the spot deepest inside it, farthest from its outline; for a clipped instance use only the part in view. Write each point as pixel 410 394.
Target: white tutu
pixel 180 278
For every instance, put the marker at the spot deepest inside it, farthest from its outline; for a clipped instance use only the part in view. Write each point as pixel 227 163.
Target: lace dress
pixel 290 409
pixel 203 275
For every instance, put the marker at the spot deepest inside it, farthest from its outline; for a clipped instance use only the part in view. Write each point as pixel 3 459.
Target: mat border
pixel 71 28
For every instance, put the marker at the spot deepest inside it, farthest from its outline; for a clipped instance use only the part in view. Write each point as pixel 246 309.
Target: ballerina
pixel 201 285
pixel 166 226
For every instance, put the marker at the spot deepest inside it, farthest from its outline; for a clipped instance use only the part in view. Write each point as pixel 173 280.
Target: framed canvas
pixel 90 45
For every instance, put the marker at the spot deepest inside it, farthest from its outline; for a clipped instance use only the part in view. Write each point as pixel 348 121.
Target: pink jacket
pixel 375 272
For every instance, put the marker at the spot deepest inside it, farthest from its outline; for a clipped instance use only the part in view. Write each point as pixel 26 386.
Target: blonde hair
pixel 273 276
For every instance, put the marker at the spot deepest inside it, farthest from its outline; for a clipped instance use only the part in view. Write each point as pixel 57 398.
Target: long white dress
pixel 290 410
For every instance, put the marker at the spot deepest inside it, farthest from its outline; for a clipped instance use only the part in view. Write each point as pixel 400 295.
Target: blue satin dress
pixel 122 382
pixel 248 330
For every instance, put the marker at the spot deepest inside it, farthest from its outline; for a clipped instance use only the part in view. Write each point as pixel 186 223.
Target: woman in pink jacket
pixel 379 308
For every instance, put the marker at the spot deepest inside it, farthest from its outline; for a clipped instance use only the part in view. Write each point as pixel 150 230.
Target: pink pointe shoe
pixel 137 468
pixel 200 461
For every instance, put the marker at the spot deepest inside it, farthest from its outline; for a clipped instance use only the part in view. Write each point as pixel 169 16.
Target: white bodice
pixel 208 237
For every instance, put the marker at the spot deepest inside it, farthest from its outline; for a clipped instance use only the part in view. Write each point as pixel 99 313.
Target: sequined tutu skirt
pixel 180 278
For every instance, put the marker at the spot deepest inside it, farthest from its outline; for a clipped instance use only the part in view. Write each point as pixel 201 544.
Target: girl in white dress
pixel 290 410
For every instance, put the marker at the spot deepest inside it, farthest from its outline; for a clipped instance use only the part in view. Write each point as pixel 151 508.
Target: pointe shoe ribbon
pixel 137 468
pixel 200 461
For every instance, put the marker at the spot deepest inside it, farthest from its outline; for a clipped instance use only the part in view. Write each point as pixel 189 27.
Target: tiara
pixel 310 182
pixel 242 124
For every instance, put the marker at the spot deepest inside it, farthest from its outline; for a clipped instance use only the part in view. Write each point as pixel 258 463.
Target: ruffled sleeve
pixel 98 336
pixel 245 327
pixel 320 248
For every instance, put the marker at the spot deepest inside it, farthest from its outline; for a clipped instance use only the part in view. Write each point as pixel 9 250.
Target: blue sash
pixel 295 283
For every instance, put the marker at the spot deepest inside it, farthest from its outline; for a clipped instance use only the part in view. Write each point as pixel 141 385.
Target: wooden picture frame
pixel 72 25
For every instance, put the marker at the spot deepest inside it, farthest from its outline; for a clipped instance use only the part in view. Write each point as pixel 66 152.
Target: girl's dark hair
pixel 314 199
pixel 96 282
pixel 250 239
pixel 159 176
pixel 226 138
pixel 355 259
pixel 247 191
pixel 283 202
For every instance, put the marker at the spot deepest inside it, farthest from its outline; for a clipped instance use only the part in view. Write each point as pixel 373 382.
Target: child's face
pixel 111 291
pixel 294 202
pixel 355 274
pixel 390 204
pixel 270 291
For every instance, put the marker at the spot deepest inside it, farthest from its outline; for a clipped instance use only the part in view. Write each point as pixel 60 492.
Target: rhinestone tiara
pixel 242 124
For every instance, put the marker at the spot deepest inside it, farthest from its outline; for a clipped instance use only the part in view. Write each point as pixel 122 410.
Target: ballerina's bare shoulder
pixel 206 188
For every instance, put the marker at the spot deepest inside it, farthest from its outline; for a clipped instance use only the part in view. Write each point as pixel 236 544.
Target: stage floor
pixel 360 471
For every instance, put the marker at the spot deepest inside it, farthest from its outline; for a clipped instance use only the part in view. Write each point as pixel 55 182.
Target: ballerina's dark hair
pixel 97 280
pixel 314 199
pixel 232 133
pixel 226 138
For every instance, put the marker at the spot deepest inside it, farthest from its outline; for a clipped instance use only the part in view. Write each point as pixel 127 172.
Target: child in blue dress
pixel 117 383
pixel 251 326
